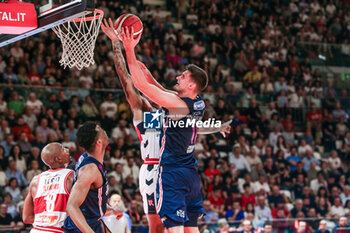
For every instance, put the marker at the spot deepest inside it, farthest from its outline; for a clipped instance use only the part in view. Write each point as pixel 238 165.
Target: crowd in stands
pixel 288 151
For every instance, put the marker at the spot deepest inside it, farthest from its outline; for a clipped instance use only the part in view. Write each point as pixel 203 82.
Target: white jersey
pixel 149 141
pixel 150 153
pixel 50 200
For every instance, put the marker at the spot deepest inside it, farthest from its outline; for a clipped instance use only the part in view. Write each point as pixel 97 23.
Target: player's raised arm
pixel 161 97
pixel 131 93
pixel 87 178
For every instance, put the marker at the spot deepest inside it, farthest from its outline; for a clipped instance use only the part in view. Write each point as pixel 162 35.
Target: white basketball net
pixel 78 39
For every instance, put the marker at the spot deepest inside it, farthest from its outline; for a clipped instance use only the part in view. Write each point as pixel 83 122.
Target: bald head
pixel 55 155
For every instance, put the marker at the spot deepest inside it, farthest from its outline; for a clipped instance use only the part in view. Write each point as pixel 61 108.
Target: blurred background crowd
pixel 288 152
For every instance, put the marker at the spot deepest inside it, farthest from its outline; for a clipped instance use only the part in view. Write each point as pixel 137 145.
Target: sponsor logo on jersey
pixel 199 105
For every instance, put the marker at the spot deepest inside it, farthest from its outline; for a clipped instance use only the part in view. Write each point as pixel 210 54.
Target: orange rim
pixel 97 16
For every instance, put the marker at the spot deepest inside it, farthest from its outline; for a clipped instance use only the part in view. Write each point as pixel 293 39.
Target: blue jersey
pixel 95 204
pixel 177 140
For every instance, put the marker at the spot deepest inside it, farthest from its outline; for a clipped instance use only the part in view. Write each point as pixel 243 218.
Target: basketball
pixel 129 20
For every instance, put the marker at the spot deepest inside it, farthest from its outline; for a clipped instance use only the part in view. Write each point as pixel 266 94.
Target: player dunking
pixel 88 200
pixel 178 189
pixel 45 204
pixel 149 138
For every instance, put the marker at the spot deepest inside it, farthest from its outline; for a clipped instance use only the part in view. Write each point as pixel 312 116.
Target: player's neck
pixel 97 154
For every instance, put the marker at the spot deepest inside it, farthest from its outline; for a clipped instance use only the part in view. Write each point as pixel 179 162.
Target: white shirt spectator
pixel 315 185
pixel 36 106
pixel 273 138
pixel 263 213
pixel 134 170
pixel 296 101
pixel 335 162
pixel 3 179
pixel 340 211
pixel 302 149
pixel 118 133
pixel 240 162
pixel 88 81
pixel 257 186
pixel 30 120
pixel 330 9
pixel 344 198
pixel 111 109
pixel 3 107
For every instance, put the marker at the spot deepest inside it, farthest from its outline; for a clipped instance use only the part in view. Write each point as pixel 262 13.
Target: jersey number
pixel 50 202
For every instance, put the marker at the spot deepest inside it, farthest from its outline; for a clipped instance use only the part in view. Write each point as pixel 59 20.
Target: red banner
pixel 17 17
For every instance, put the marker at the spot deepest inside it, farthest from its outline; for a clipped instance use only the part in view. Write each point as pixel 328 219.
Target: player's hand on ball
pixel 126 36
pixel 108 29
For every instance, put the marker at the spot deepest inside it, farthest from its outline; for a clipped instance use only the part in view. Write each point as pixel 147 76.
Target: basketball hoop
pixel 78 38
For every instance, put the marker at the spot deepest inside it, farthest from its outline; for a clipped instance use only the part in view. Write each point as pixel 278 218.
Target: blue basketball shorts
pixel 179 198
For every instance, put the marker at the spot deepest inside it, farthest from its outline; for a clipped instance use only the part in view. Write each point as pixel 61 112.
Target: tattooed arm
pixel 137 103
pixel 133 96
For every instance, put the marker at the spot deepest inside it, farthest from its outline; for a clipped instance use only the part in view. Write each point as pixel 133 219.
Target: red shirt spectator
pixel 21 127
pixel 211 171
pixel 247 197
pixel 275 210
pixel 289 121
pixel 315 116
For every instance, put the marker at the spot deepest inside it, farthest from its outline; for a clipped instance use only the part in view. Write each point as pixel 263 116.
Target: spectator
pixel 343 223
pixel 71 130
pixel 29 118
pixel 89 108
pixel 110 106
pixel 211 215
pixel 129 188
pixel 35 104
pixel 7 144
pixel 217 201
pixel 33 171
pixel 12 172
pixel 247 227
pixel 262 211
pixel 261 186
pixel 43 129
pixel 6 221
pixel 131 168
pixel 22 127
pixel 252 159
pixel 17 155
pixel 275 198
pixel 247 196
pixel 235 214
pixel 322 227
pixel 298 207
pixel 319 182
pixel 13 190
pixel 68 143
pixel 337 208
pixel 238 159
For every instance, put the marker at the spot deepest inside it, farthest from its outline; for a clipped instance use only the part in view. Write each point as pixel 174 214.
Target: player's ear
pixel 192 86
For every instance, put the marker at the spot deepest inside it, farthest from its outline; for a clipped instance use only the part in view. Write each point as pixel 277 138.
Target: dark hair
pixel 86 135
pixel 246 185
pixel 199 76
pixel 20 151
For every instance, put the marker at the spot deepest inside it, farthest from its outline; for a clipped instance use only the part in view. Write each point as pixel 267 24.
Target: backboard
pixel 51 13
